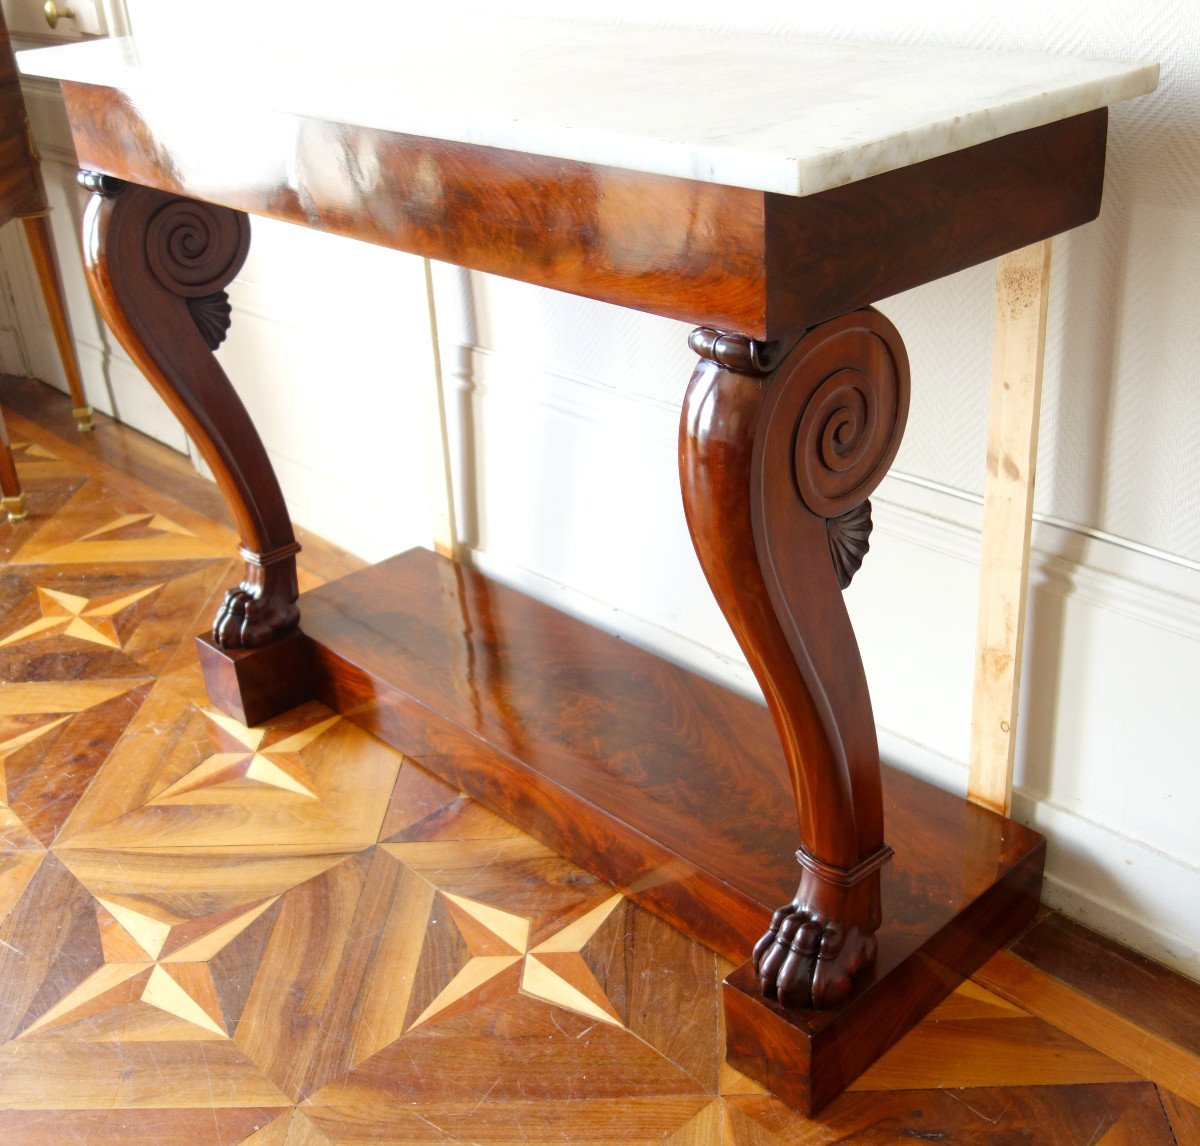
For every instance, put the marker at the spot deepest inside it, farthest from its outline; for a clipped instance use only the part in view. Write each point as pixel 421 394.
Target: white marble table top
pixel 772 113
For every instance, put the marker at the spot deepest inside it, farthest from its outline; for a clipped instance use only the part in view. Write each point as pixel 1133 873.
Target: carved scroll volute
pixel 778 452
pixel 158 265
pixel 829 429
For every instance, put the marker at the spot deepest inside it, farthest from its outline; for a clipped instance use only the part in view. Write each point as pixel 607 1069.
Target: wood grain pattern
pixel 45 263
pixel 21 190
pixel 1124 1113
pixel 216 894
pixel 764 265
pixel 770 453
pixel 560 727
pixel 1183 1116
pixel 1119 1002
pixel 677 247
pixel 896 231
pixel 1018 349
pixel 156 264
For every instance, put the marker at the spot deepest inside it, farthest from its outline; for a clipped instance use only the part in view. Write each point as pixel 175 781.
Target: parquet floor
pixel 290 936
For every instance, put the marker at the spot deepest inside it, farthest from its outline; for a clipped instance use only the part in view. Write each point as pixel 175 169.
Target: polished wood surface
pixel 1127 1005
pixel 764 265
pixel 775 457
pixel 21 190
pixel 809 1058
pixel 561 727
pixel 201 921
pixel 12 498
pixel 45 263
pixel 158 266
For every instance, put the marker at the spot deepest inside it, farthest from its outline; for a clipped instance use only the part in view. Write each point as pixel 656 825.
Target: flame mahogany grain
pixel 763 265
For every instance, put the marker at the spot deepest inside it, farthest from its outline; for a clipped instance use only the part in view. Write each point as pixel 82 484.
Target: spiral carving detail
pixel 195 249
pixel 849 427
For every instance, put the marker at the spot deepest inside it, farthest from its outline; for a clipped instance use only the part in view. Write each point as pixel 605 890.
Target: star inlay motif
pixel 553 970
pixel 86 618
pixel 138 524
pixel 262 757
pixel 158 958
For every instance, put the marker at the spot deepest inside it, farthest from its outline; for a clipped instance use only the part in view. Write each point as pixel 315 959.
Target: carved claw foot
pixel 262 608
pixel 246 621
pixel 818 943
pixel 807 962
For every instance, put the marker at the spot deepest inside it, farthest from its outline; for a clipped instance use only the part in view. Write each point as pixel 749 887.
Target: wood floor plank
pixel 16 870
pixel 682 1120
pixel 1094 1022
pixel 1115 1113
pixel 1184 1118
pixel 281 1028
pixel 187 1127
pixel 1159 1000
pixel 129 806
pixel 980 1052
pixel 166 1075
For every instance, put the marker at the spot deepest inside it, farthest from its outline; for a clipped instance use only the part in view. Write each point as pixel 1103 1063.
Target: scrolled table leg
pixel 158 265
pixel 780 446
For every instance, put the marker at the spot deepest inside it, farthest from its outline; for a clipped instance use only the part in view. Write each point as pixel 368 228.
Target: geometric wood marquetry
pixel 291 936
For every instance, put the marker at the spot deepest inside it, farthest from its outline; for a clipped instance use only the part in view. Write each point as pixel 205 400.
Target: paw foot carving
pixel 247 620
pixel 820 941
pixel 805 961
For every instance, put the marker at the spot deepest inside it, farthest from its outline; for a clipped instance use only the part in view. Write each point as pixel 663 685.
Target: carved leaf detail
pixel 849 541
pixel 212 315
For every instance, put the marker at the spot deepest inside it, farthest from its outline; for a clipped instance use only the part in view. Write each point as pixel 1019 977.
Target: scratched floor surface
pixel 290 936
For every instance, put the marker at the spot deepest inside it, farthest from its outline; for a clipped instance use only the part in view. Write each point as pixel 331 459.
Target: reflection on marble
pixel 772 113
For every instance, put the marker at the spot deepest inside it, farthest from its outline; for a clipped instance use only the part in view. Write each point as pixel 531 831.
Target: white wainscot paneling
pixel 1106 763
pixel 578 503
pixel 330 350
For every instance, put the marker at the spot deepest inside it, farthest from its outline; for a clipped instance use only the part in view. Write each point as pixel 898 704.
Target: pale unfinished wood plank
pixel 1022 293
pixel 437 444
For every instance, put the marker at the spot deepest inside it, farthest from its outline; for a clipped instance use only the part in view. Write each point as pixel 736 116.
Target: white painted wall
pixel 564 418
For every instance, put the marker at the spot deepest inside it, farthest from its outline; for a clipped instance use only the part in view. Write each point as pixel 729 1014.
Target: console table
pixel 767 190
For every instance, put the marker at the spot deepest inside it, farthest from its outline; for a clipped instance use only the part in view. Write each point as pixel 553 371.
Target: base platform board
pixel 665 784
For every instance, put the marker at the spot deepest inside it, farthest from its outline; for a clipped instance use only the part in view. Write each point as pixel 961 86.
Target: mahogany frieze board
pixel 761 264
pixel 653 778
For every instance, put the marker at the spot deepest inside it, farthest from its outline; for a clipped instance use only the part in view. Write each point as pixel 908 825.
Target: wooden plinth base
pixel 668 786
pixel 253 685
